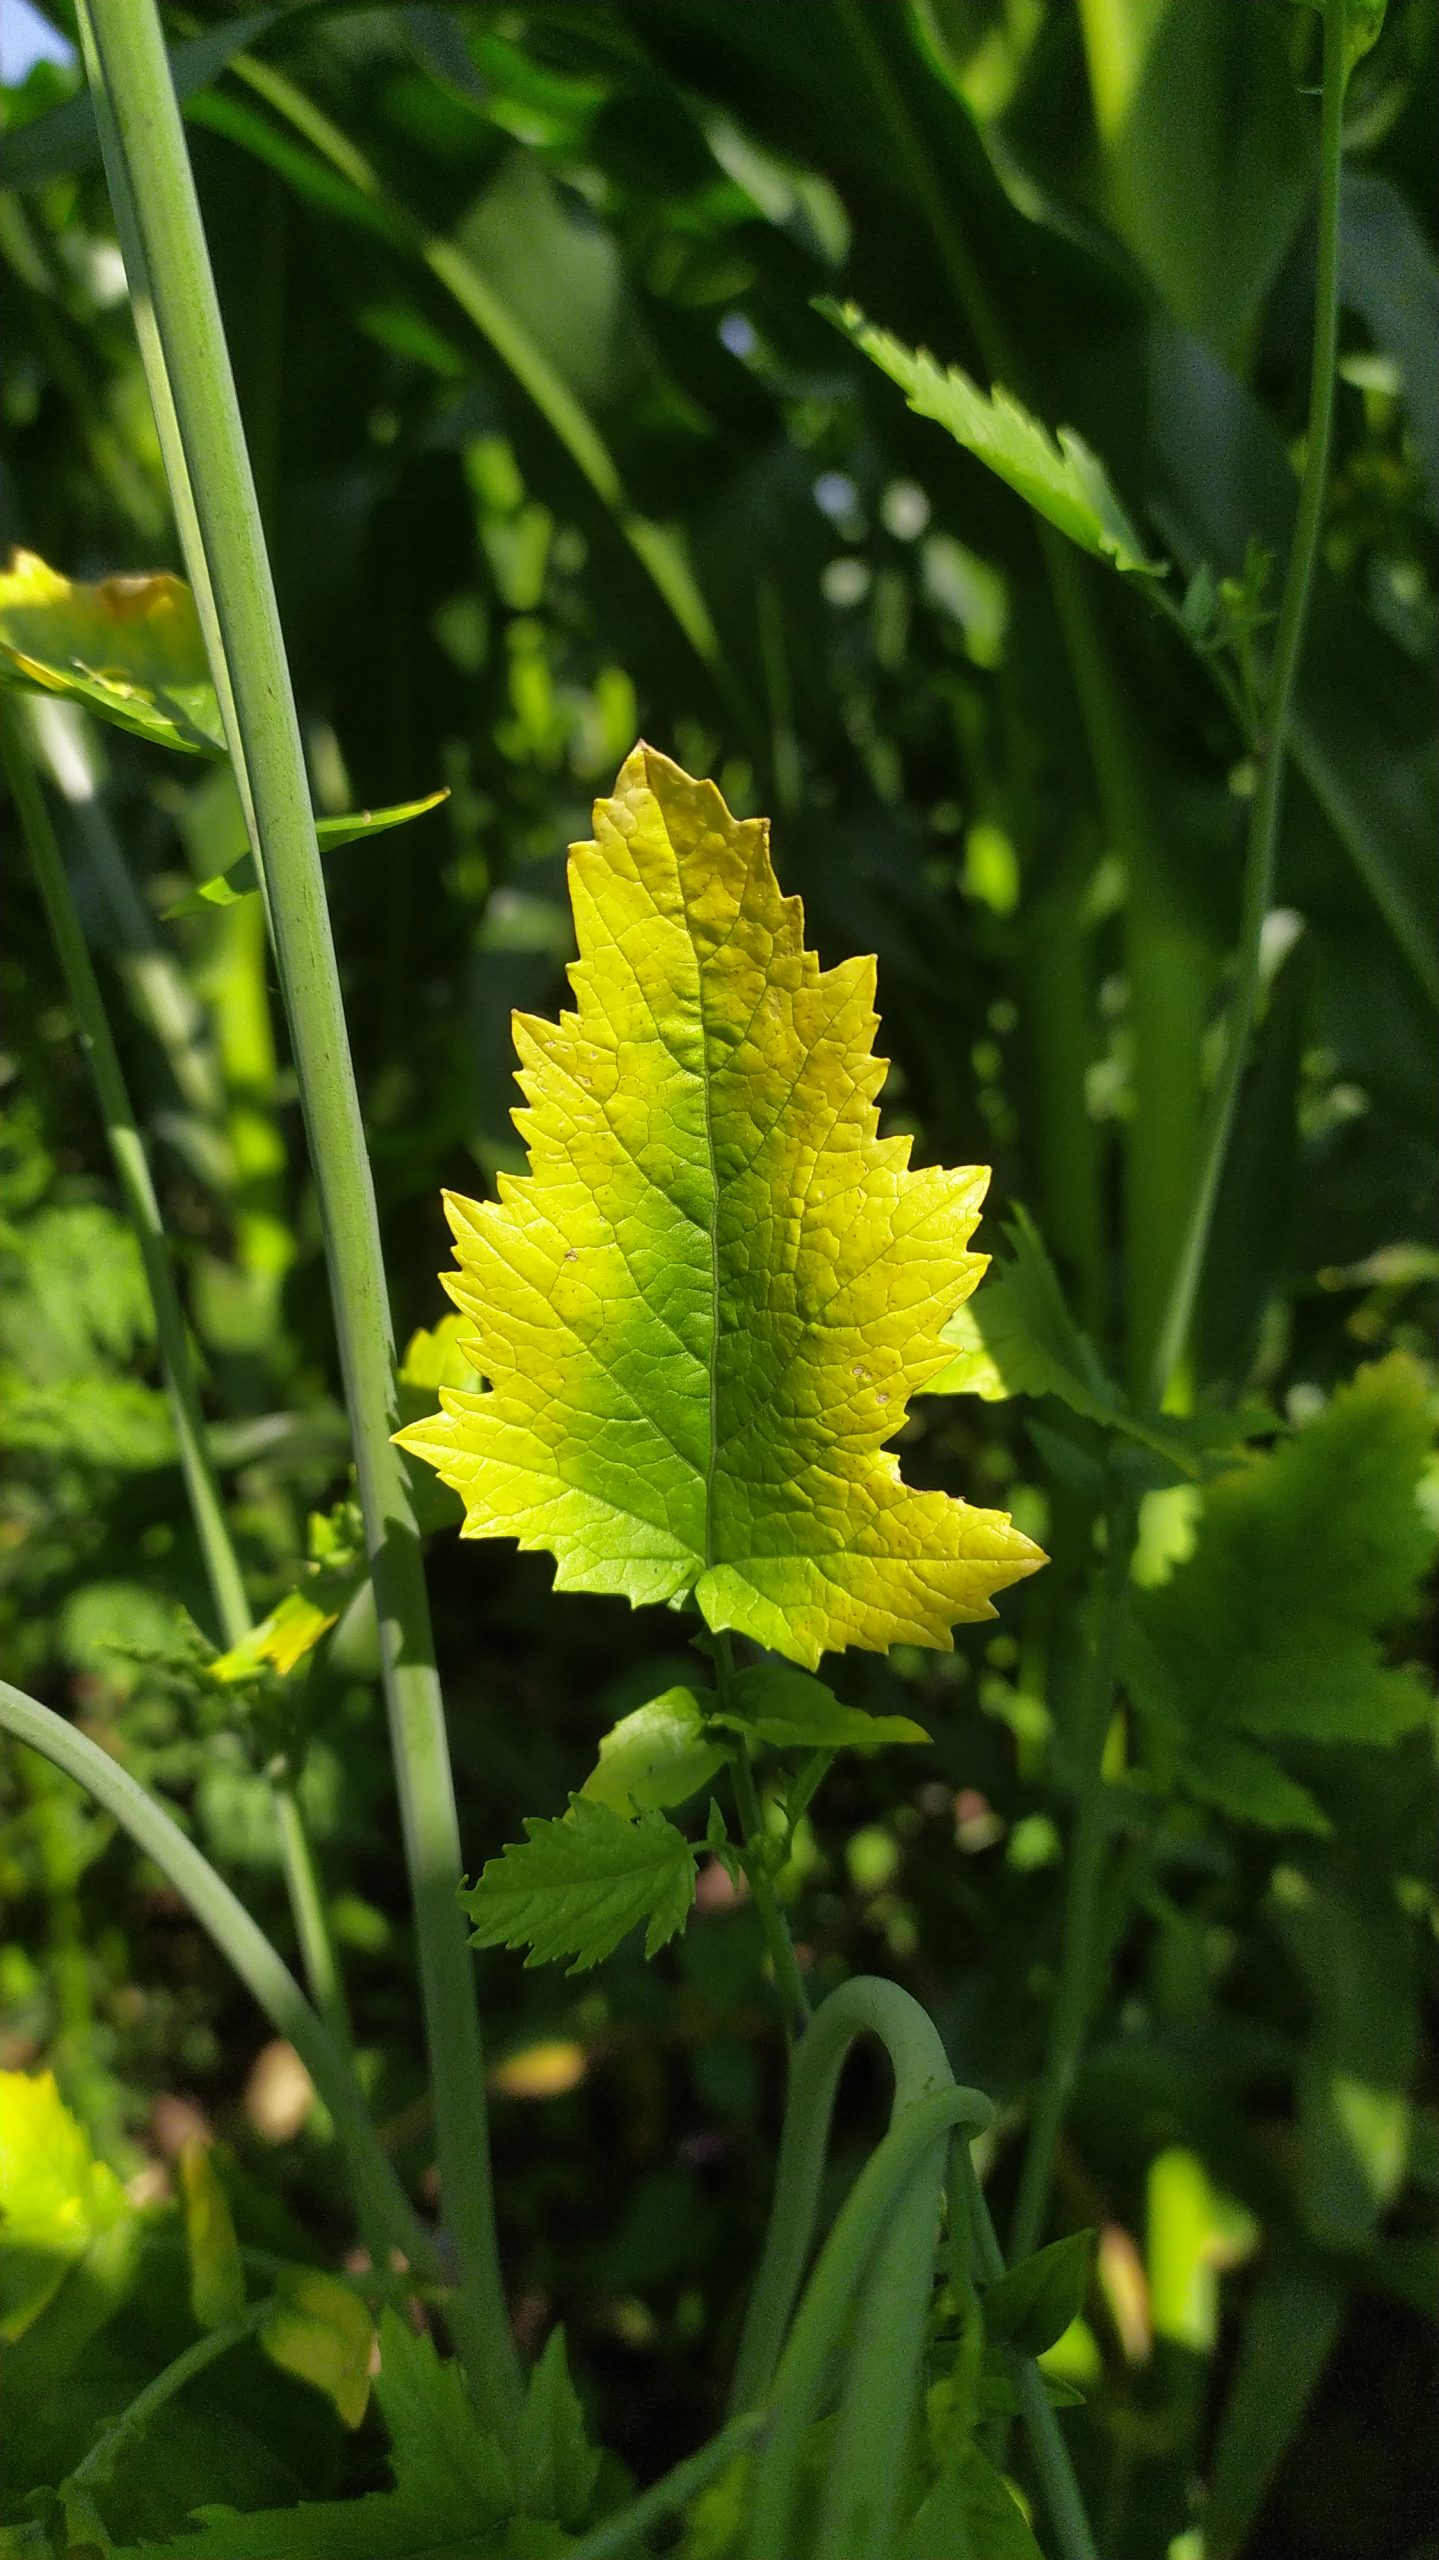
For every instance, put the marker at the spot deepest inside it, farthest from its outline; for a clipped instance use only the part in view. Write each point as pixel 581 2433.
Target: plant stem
pixel 110 2444
pixel 224 1918
pixel 222 1571
pixel 865 2006
pixel 149 141
pixel 177 1363
pixel 789 1981
pixel 1074 1989
pixel 620 2534
pixel 1268 799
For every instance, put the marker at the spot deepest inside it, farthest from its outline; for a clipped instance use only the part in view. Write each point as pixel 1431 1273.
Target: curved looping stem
pixel 224 1917
pixel 866 2006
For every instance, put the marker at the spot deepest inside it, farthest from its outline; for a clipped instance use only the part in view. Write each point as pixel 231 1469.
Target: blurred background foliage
pixel 554 450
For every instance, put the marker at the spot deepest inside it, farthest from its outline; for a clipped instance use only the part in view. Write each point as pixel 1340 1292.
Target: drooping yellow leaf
pixel 705 1308
pixel 129 648
pixel 320 2330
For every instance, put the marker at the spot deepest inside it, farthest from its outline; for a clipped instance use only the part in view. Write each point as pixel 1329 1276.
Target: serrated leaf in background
pixel 705 1308
pixel 578 1886
pixel 1270 1632
pixel 1057 475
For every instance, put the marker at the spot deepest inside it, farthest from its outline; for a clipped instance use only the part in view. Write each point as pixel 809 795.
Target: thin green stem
pixel 244 1945
pixel 1050 2453
pixel 1277 711
pixel 127 1148
pixel 1074 1990
pixel 146 146
pixel 177 1362
pixel 99 2462
pixel 789 1981
pixel 623 2533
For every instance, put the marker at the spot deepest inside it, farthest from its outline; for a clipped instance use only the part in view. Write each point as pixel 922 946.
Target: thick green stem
pixel 243 1944
pixel 147 2404
pixel 146 142
pixel 1074 1990
pixel 1275 717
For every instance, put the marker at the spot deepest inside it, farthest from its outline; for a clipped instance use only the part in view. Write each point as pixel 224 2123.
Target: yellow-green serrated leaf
pixel 240 879
pixel 1057 474
pixel 217 2278
pixel 577 1886
pixel 56 2198
pixel 705 1308
pixel 320 2330
pixel 129 648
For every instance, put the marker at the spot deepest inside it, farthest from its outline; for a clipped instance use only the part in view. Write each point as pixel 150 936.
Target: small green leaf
pixel 129 648
pixel 320 2330
pixel 241 880
pixel 1057 475
pixel 793 1712
pixel 1033 2304
pixel 576 1887
pixel 657 1756
pixel 971 2513
pixel 557 2466
pixel 217 2277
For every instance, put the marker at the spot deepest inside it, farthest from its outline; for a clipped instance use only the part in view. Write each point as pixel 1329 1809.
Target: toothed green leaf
pixel 1057 475
pixel 578 1886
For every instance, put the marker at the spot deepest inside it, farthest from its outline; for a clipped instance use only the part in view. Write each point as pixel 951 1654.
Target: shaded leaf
pixel 129 648
pixel 241 880
pixel 576 1887
pixel 969 2514
pixel 792 1712
pixel 1057 475
pixel 217 2277
pixel 1032 2304
pixel 320 2331
pixel 1269 1632
pixel 556 2464
pixel 704 1309
pixel 658 1755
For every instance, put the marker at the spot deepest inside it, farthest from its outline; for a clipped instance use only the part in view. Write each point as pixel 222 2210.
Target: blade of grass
pixel 146 144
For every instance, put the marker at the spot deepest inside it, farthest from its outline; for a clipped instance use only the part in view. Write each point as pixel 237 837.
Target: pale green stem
pixel 244 1945
pixel 1275 717
pixel 147 2404
pixel 146 141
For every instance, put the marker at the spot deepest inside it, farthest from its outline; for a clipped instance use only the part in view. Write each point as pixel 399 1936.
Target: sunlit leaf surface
pixel 705 1308
pixel 129 648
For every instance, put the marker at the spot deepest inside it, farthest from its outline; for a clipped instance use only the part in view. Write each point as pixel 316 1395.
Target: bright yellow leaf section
pixel 129 648
pixel 704 1310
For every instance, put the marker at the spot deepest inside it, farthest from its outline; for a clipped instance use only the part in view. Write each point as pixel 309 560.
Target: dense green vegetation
pixel 592 357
